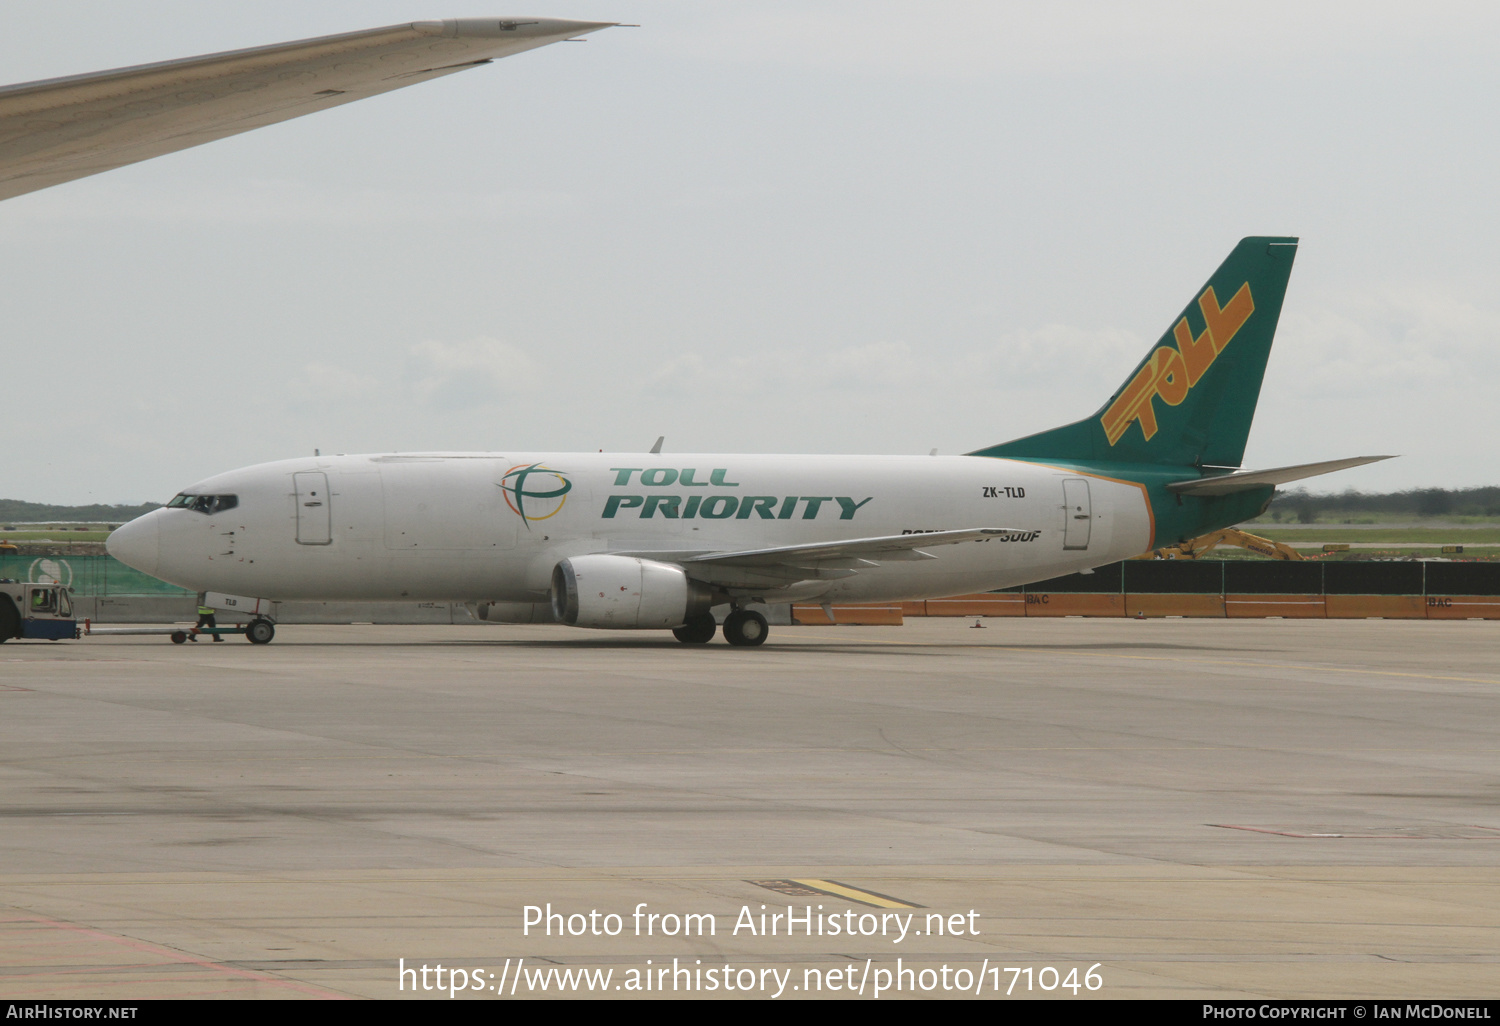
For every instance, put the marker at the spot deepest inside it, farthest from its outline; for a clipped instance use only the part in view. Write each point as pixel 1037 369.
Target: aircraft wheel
pixel 745 627
pixel 178 637
pixel 697 631
pixel 260 632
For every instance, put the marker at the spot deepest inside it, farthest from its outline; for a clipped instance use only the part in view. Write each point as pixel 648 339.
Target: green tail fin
pixel 1191 400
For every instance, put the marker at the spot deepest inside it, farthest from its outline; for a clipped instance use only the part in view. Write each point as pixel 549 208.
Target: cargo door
pixel 314 517
pixel 1078 515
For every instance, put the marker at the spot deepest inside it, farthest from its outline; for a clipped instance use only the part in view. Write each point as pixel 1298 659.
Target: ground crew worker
pixel 206 619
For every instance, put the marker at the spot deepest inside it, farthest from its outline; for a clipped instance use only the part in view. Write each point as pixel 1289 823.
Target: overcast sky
pixel 830 227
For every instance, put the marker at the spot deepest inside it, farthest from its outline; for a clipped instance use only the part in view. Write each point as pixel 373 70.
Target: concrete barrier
pixel 1074 604
pixel 159 609
pixel 1157 604
pixel 372 612
pixel 1009 603
pixel 1285 606
pixel 1389 607
pixel 882 615
pixel 136 608
pixel 1463 607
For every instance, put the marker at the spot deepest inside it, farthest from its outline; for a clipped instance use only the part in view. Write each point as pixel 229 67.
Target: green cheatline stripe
pixel 87 575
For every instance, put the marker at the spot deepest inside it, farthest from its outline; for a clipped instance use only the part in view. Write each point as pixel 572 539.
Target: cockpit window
pixel 209 504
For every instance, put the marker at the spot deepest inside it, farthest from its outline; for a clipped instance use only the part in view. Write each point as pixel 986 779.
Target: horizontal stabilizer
pixel 1244 481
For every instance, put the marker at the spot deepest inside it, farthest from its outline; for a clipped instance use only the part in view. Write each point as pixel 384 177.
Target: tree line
pixel 1304 506
pixel 16 511
pixel 1415 502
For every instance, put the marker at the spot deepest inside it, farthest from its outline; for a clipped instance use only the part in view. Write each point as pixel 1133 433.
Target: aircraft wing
pixel 816 561
pixel 65 128
pixel 1243 481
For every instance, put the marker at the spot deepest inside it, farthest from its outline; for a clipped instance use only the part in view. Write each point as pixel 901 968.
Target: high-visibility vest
pixel 205 611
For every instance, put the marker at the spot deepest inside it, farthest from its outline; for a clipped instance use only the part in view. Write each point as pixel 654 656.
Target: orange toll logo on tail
pixel 1170 373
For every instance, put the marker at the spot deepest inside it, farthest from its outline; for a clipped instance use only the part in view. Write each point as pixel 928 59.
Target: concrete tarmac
pixel 1190 808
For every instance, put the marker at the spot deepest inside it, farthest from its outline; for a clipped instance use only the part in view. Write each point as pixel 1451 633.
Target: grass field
pixel 1437 536
pixel 1267 520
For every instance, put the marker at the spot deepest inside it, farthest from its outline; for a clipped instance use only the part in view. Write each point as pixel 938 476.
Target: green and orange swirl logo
pixel 529 491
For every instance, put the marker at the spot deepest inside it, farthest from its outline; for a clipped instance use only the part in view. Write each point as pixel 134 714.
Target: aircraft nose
pixel 137 544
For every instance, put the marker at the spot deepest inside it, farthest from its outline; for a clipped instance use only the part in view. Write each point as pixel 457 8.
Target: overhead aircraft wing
pixel 1243 481
pixel 65 128
pixel 819 560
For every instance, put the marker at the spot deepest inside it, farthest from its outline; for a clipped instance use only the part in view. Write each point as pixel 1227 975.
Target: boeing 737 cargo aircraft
pixel 656 542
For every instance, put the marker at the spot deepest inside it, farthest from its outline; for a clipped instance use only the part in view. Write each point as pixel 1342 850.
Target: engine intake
pixel 625 593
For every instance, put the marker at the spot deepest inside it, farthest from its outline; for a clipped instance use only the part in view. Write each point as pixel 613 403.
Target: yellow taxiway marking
pixel 864 897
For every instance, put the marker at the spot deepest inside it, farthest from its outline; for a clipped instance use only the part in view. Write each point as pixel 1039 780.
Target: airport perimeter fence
pixel 110 591
pixel 87 575
pixel 1229 588
pixel 107 591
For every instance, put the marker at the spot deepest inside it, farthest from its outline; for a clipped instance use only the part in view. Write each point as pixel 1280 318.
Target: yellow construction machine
pixel 1194 548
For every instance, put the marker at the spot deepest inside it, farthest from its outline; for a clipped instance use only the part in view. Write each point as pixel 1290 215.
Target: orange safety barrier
pixel 1391 607
pixel 1010 603
pixel 1349 607
pixel 1463 607
pixel 1070 604
pixel 1174 605
pixel 881 615
pixel 1287 606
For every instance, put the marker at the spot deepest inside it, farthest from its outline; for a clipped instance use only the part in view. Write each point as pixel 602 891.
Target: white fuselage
pixel 487 527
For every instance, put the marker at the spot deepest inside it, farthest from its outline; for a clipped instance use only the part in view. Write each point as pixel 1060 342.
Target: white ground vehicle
pixel 41 611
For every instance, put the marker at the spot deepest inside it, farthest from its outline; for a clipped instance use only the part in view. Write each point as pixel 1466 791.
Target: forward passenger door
pixel 314 515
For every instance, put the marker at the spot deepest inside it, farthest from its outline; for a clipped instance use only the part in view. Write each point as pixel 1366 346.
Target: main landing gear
pixel 697 631
pixel 743 627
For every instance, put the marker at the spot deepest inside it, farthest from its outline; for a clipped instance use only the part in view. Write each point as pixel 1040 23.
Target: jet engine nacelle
pixel 625 592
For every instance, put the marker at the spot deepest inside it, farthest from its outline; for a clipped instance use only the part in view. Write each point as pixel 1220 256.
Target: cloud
pixel 968 39
pixel 434 376
pixel 1053 356
pixel 1393 342
pixel 244 202
pixel 881 366
pixel 319 383
pixel 474 373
